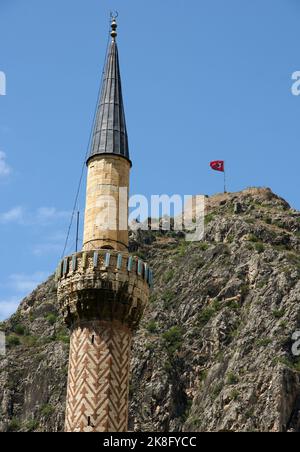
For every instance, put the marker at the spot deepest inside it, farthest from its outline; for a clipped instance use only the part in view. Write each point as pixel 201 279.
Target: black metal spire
pixel 110 133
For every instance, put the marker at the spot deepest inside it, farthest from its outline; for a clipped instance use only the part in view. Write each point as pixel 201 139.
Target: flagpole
pixel 225 191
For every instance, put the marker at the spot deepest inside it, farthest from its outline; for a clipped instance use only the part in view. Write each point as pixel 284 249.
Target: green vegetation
pixel 182 248
pixel 152 327
pixel 263 342
pixel 30 341
pixel 168 276
pixel 294 259
pixel 234 394
pixel 153 298
pixel 233 305
pixel 150 347
pixel 168 296
pixel 253 238
pixel 168 366
pixel 141 254
pixel 294 364
pixel 261 284
pixel 259 246
pixel 234 333
pixel 232 379
pixel 195 421
pixel 216 391
pixel 208 218
pixel 283 324
pixel 12 340
pixel 20 329
pixel 47 339
pixel 63 338
pixel 62 335
pixel 173 339
pixel 203 376
pixel 47 410
pixel 14 425
pixel 203 246
pixel 32 316
pixel 207 313
pixel 31 425
pixel 51 318
pixel 279 224
pixel 278 313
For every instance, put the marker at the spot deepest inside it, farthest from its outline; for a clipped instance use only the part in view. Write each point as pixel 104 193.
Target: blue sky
pixel 202 80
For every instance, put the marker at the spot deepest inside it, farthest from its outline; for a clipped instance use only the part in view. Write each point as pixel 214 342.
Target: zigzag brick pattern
pixel 98 379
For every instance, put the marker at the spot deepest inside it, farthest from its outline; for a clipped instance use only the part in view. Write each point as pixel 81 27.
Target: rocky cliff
pixel 213 352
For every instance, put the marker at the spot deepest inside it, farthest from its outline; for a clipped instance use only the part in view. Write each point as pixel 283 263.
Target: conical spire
pixel 110 133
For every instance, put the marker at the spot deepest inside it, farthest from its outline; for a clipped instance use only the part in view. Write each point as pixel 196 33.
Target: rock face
pixel 214 350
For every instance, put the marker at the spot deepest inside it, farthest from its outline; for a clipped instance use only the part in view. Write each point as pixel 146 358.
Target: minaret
pixel 108 165
pixel 103 291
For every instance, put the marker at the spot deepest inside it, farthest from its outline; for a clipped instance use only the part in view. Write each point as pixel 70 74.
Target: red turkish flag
pixel 218 165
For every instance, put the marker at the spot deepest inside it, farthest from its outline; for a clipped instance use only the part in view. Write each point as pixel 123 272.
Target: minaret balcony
pixel 103 285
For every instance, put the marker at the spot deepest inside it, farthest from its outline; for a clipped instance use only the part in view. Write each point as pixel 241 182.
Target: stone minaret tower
pixel 102 290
